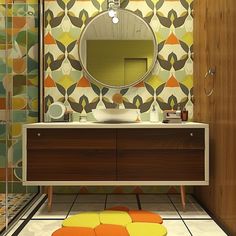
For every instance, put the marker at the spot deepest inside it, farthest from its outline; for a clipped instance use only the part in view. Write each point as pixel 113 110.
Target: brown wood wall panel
pixel 160 139
pixel 215 46
pixel 71 138
pixel 71 165
pixel 160 165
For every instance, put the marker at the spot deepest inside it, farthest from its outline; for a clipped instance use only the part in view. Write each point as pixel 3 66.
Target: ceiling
pixel 129 27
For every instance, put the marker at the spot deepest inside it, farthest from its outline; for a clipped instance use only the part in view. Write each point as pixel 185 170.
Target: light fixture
pixel 112 10
pixel 115 19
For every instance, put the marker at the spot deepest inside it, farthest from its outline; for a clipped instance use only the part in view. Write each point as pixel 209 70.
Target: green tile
pixel 32 66
pixel 2 37
pixel 19 90
pixel 17 153
pixel 2 89
pixel 32 37
pixel 33 105
pixel 9 22
pixel 32 119
pixel 32 10
pixel 19 84
pixel 19 9
pixel 2 187
pixel 33 114
pixel 33 80
pixel 32 92
pixel 3 157
pixel 19 116
pixel 9 38
pixel 20 38
pixel 3 68
pixel 2 8
pixel 2 131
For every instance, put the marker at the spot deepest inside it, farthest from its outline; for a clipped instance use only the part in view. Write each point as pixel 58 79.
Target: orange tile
pixel 74 231
pixel 145 216
pixel 108 230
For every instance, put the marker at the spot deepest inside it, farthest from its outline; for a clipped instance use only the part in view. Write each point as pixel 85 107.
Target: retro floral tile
pixel 18 81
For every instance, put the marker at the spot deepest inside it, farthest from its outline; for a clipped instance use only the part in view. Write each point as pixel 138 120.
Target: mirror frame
pixel 148 72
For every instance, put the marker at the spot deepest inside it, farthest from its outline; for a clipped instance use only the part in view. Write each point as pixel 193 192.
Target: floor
pixel 16 202
pixel 194 221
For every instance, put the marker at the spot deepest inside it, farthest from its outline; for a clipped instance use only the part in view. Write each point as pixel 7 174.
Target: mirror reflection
pixel 117 55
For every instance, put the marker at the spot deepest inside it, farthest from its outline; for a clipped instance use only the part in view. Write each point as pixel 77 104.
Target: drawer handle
pixel 38 134
pixel 191 134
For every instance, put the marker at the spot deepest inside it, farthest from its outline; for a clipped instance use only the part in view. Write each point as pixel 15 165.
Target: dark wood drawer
pixel 71 138
pixel 71 165
pixel 135 139
pixel 160 165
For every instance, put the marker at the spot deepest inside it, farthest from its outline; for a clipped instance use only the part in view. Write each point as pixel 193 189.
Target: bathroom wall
pixel 171 82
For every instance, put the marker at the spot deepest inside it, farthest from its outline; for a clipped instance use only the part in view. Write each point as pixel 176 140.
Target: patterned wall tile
pixel 18 81
pixel 171 82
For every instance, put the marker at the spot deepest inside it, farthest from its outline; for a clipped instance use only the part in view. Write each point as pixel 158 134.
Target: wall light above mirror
pixel 117 55
pixel 113 5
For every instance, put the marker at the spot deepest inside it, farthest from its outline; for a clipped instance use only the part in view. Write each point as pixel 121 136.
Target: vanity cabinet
pixel 116 154
pixel 160 154
pixel 71 154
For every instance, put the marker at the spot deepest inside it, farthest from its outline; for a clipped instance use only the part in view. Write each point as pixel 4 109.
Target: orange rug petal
pixel 145 216
pixel 111 230
pixel 74 231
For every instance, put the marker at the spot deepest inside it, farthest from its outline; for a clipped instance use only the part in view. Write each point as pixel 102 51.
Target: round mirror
pixel 120 54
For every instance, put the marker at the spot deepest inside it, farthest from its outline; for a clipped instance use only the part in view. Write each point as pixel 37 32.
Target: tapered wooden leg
pixel 50 192
pixel 183 196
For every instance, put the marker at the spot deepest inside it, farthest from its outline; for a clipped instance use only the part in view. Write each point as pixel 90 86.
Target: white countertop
pixel 114 125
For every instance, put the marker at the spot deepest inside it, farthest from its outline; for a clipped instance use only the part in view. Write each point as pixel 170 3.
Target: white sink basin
pixel 116 115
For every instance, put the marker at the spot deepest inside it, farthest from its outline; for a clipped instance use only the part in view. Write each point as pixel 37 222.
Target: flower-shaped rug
pixel 117 221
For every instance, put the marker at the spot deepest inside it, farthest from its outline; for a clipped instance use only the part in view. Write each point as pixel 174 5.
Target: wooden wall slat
pixel 215 45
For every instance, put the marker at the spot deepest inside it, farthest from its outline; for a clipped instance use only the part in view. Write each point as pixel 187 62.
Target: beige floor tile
pixel 166 210
pixel 91 198
pixel 58 211
pixel 31 209
pixel 130 205
pixel 151 198
pixel 192 211
pixel 78 207
pixel 204 228
pixel 63 198
pixel 41 227
pixel 15 227
pixel 176 228
pixel 176 198
pixel 121 198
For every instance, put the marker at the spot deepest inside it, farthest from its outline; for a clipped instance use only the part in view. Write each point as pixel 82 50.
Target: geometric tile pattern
pixel 18 78
pixel 18 91
pixel 171 83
